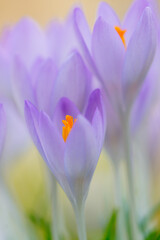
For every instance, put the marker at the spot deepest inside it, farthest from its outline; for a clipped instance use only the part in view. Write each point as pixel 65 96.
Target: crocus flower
pixel 70 144
pixel 119 55
pixel 45 84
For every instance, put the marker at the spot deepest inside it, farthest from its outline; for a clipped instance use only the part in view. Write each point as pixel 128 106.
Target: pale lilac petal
pixel 82 29
pixel 81 156
pixel 96 115
pixel 52 143
pixel 5 75
pixel 32 119
pixel 108 52
pixel 43 87
pixel 2 127
pixel 64 107
pixel 142 103
pixel 139 56
pixel 72 81
pixel 56 33
pixel 133 16
pixel 27 41
pixel 108 14
pixel 17 139
pixel 21 84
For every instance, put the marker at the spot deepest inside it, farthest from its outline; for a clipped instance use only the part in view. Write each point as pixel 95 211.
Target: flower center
pixel 68 124
pixel 121 34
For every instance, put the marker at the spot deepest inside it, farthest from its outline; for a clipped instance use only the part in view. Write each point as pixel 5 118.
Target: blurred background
pixel 44 10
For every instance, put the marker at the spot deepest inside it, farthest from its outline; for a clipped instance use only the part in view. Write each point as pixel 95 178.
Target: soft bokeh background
pixel 26 176
pixel 44 10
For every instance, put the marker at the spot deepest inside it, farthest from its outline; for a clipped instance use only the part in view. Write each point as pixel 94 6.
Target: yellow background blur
pixel 44 10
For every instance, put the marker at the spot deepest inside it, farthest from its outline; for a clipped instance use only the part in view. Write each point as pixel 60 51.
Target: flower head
pixel 71 153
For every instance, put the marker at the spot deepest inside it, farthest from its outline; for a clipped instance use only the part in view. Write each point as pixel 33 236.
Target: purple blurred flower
pixel 44 85
pixel 72 162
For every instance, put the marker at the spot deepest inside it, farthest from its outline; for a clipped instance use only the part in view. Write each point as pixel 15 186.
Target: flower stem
pixel 121 232
pixel 55 229
pixel 80 220
pixel 135 233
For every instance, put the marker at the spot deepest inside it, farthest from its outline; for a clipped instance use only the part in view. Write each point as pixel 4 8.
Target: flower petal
pixel 81 156
pixel 72 81
pixel 96 115
pixel 27 41
pixel 44 82
pixel 108 14
pixel 21 84
pixel 32 119
pixel 64 107
pixel 2 127
pixel 108 52
pixel 137 63
pixel 133 16
pixel 53 145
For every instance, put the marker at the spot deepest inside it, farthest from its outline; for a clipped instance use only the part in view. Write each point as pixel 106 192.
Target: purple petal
pixel 133 16
pixel 108 14
pixel 96 116
pixel 81 156
pixel 2 127
pixel 72 81
pixel 27 41
pixel 142 103
pixel 108 52
pixel 56 33
pixel 82 28
pixel 32 119
pixel 22 83
pixel 139 56
pixel 44 82
pixel 53 145
pixel 64 107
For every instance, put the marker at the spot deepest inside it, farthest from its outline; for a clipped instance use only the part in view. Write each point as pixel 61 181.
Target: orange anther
pixel 121 34
pixel 68 124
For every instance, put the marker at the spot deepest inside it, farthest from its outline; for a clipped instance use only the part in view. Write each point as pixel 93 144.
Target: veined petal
pixel 108 14
pixel 81 156
pixel 139 56
pixel 108 52
pixel 72 81
pixel 53 145
pixel 32 119
pixel 44 83
pixel 64 107
pixel 96 115
pixel 2 127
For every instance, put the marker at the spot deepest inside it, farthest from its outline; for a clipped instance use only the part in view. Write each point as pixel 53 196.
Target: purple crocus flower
pixel 120 55
pixel 71 153
pixel 44 84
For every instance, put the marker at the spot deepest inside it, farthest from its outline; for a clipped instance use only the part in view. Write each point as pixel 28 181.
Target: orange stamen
pixel 121 34
pixel 68 124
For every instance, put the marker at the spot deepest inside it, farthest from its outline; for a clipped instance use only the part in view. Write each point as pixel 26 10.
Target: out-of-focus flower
pixel 71 151
pixel 44 85
pixel 120 56
pixel 41 66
